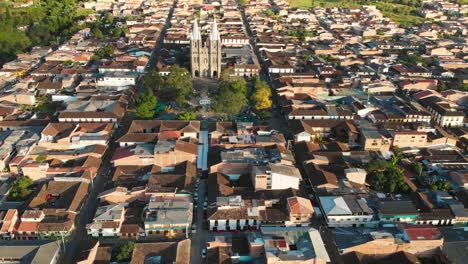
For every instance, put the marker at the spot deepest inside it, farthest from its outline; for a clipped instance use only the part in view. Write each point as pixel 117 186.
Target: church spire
pixel 195 31
pixel 214 35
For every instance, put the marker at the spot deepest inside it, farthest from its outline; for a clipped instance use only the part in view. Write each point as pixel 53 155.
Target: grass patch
pixel 83 12
pixel 403 15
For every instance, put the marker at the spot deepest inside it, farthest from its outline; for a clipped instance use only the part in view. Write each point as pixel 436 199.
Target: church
pixel 205 55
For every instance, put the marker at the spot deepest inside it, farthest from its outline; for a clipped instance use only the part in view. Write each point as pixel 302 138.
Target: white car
pixel 203 253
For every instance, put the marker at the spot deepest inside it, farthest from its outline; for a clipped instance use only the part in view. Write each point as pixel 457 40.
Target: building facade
pixel 205 55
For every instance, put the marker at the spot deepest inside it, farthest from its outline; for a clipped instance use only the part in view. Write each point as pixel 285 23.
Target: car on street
pixel 203 253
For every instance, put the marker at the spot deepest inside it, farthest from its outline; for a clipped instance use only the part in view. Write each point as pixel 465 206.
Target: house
pixel 356 175
pixel 168 215
pixel 397 211
pixel 163 154
pixel 107 221
pixel 372 139
pixel 275 177
pixel 149 131
pixel 300 211
pixel 162 252
pixel 120 80
pixel 309 130
pixel 443 113
pixel 75 135
pixel 96 111
pixel 55 207
pixel 318 177
pixel 422 241
pixel 346 211
pixel 278 246
pixel 27 227
pixel 9 221
pixel 32 251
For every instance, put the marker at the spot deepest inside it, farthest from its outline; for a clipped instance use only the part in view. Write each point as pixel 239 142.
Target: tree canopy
pixel 146 105
pixel 20 191
pixel 178 85
pixel 387 176
pixel 261 95
pixel 41 158
pixel 231 96
pixel 187 116
pixel 104 52
pixel 153 80
pixel 44 23
pixel 125 251
pixel 229 101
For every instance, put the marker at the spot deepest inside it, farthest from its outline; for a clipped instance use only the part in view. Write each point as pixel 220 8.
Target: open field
pixel 404 15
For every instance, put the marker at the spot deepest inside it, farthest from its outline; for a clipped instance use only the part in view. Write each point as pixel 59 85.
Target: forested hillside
pixel 43 23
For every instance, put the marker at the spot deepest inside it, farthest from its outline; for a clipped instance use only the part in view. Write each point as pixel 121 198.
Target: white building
pixel 275 177
pixel 107 221
pixel 346 211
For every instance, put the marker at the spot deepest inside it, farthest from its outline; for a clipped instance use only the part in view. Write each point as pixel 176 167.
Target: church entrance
pixel 197 74
pixel 215 74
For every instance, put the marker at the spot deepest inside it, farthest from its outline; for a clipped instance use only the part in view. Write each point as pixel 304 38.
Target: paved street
pixel 89 207
pixel 199 238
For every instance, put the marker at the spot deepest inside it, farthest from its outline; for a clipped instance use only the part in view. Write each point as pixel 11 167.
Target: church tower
pixel 215 51
pixel 205 56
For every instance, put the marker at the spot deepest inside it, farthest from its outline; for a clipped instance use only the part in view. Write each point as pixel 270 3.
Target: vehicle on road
pixel 203 253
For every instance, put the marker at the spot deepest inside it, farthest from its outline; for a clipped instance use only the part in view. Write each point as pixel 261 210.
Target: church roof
pixel 195 31
pixel 214 35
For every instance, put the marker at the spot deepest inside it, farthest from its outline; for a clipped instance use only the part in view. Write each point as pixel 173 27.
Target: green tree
pixel 187 116
pixel 104 52
pixel 97 33
pixel 443 87
pixel 229 101
pixel 239 85
pixel 228 75
pixel 178 85
pixel 261 95
pixel 153 80
pixel 68 63
pixel 108 18
pixel 441 186
pixel 387 176
pixel 146 105
pixel 243 2
pixel 41 158
pixel 269 13
pixel 418 168
pixel 45 105
pixel 19 190
pixel 125 251
pixel 397 153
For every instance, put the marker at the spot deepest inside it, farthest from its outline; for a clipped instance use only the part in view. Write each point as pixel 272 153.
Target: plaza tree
pixel 178 85
pixel 146 105
pixel 229 101
pixel 261 95
pixel 187 116
pixel 153 80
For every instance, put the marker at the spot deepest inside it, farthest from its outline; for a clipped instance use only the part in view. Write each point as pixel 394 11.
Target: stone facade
pixel 205 55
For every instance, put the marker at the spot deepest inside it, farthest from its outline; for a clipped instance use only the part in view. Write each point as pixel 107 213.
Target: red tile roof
pixel 27 227
pixel 422 232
